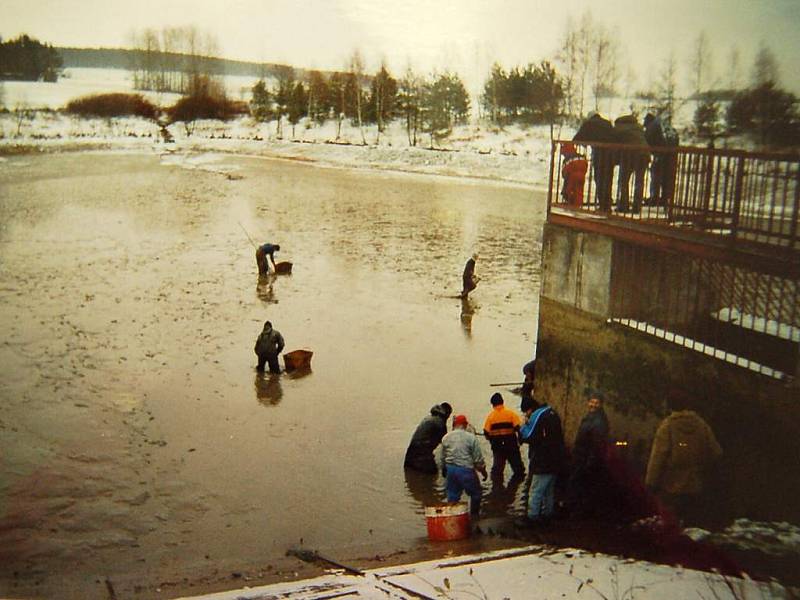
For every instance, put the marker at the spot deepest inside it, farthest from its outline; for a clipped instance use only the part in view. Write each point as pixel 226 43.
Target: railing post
pixel 737 196
pixel 795 216
pixel 708 178
pixel 553 145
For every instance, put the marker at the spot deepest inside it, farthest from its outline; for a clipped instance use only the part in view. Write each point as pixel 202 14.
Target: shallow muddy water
pixel 137 441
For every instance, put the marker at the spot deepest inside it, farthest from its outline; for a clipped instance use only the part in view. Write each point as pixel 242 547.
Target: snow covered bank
pixel 513 154
pixel 529 572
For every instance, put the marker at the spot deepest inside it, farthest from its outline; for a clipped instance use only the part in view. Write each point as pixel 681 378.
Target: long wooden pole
pixel 248 235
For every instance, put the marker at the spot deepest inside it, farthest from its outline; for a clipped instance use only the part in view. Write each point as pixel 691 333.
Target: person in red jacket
pixel 573 173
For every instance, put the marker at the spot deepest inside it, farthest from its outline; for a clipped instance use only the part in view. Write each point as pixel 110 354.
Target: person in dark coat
pixel 469 279
pixel 268 346
pixel 598 129
pixel 428 435
pixel 543 432
pixel 588 480
pixel 632 162
pixel 526 391
pixel 660 135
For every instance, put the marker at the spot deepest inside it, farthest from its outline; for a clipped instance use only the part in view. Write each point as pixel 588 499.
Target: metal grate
pixel 742 316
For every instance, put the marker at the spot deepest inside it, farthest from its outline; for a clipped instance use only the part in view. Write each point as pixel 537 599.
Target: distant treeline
pixel 27 59
pixel 117 58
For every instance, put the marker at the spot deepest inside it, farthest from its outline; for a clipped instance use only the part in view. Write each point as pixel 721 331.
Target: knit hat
pixel 460 420
pixel 568 148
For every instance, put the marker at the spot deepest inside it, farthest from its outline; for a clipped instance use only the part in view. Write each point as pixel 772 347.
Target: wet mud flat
pixel 138 444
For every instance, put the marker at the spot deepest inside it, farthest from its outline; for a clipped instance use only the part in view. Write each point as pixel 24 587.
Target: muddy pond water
pixel 137 441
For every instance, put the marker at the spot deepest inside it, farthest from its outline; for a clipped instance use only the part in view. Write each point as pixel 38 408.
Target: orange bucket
pixel 283 268
pixel 297 359
pixel 447 522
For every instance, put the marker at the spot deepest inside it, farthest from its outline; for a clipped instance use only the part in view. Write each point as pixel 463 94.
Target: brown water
pixel 137 441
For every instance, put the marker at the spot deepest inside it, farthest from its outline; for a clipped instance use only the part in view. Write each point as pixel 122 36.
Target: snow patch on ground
pixel 209 162
pixel 776 538
pixel 526 572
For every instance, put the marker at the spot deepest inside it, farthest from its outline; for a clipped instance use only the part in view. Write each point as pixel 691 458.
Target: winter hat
pixel 460 420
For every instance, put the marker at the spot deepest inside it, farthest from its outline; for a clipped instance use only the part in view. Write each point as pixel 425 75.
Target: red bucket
pixel 447 522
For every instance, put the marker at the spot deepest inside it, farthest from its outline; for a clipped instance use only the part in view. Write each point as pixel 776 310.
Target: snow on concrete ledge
pixel 521 573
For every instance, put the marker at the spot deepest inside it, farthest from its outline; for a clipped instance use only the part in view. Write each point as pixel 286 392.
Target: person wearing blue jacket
pixel 263 253
pixel 543 432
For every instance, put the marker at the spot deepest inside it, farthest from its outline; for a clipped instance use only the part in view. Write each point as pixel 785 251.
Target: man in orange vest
pixel 501 428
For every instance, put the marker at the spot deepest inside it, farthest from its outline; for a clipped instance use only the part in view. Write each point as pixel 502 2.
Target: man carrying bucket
pixel 462 460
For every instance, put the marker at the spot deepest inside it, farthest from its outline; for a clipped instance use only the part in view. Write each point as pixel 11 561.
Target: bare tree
pixel 584 43
pixel 700 64
pixel 170 45
pixel 629 81
pixel 568 58
pixel 176 60
pixel 356 70
pixel 604 59
pixel 734 68
pixel 22 113
pixel 765 68
pixel 145 59
pixel 667 86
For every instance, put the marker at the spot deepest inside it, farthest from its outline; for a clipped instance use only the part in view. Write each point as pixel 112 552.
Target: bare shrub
pixel 204 106
pixel 113 105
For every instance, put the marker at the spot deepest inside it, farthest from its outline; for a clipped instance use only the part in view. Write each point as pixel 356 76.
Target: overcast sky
pixel 462 35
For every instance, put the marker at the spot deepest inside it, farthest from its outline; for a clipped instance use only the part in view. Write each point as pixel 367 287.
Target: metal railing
pixel 743 196
pixel 745 312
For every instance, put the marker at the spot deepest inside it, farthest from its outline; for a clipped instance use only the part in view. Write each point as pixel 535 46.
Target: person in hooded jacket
pixel 684 449
pixel 632 162
pixel 660 134
pixel 599 129
pixel 269 345
pixel 427 436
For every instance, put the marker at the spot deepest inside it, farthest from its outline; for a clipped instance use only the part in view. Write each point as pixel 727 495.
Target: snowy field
pixel 75 83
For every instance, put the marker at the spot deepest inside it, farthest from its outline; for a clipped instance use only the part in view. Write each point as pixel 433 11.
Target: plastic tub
pixel 297 359
pixel 447 522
